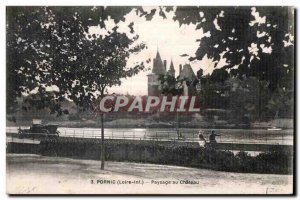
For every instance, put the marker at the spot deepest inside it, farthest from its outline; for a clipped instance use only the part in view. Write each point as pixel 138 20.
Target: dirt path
pixel 33 174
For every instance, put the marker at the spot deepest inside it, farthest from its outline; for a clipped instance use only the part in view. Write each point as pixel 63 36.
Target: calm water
pixel 227 135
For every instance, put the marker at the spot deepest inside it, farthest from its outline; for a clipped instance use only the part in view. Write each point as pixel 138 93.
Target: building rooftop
pixel 187 72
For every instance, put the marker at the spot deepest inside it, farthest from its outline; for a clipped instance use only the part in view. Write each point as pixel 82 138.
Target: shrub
pixel 279 162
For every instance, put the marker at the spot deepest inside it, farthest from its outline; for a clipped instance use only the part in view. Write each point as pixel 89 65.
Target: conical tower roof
pixel 172 66
pixel 158 66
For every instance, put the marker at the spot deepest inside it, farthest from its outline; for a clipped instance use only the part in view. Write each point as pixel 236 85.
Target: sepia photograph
pixel 150 100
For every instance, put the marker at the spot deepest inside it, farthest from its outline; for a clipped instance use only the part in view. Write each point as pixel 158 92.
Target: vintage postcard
pixel 136 100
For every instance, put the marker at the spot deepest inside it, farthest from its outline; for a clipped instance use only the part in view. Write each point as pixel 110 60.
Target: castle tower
pixel 186 73
pixel 171 71
pixel 159 68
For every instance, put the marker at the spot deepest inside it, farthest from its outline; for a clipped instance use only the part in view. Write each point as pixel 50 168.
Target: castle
pixel 160 68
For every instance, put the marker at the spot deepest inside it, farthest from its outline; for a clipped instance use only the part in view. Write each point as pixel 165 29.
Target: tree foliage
pixel 51 46
pixel 242 35
pixel 258 46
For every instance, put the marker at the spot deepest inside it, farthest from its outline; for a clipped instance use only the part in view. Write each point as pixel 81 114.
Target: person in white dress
pixel 202 140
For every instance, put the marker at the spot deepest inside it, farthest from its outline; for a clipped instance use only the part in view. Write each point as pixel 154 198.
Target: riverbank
pixel 33 174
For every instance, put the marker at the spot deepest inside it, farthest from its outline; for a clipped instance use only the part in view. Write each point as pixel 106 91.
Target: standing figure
pixel 202 140
pixel 212 137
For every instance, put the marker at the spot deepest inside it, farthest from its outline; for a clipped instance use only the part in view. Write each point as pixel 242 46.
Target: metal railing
pixel 185 136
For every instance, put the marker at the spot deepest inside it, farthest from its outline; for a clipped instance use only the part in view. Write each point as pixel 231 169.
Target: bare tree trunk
pixel 102 138
pixel 102 144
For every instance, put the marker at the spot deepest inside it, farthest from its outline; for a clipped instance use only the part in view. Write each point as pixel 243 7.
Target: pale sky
pixel 165 35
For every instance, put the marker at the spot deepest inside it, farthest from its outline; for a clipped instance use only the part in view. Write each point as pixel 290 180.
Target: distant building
pixel 187 74
pixel 160 68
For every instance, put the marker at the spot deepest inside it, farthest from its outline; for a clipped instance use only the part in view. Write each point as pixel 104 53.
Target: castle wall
pixel 153 85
